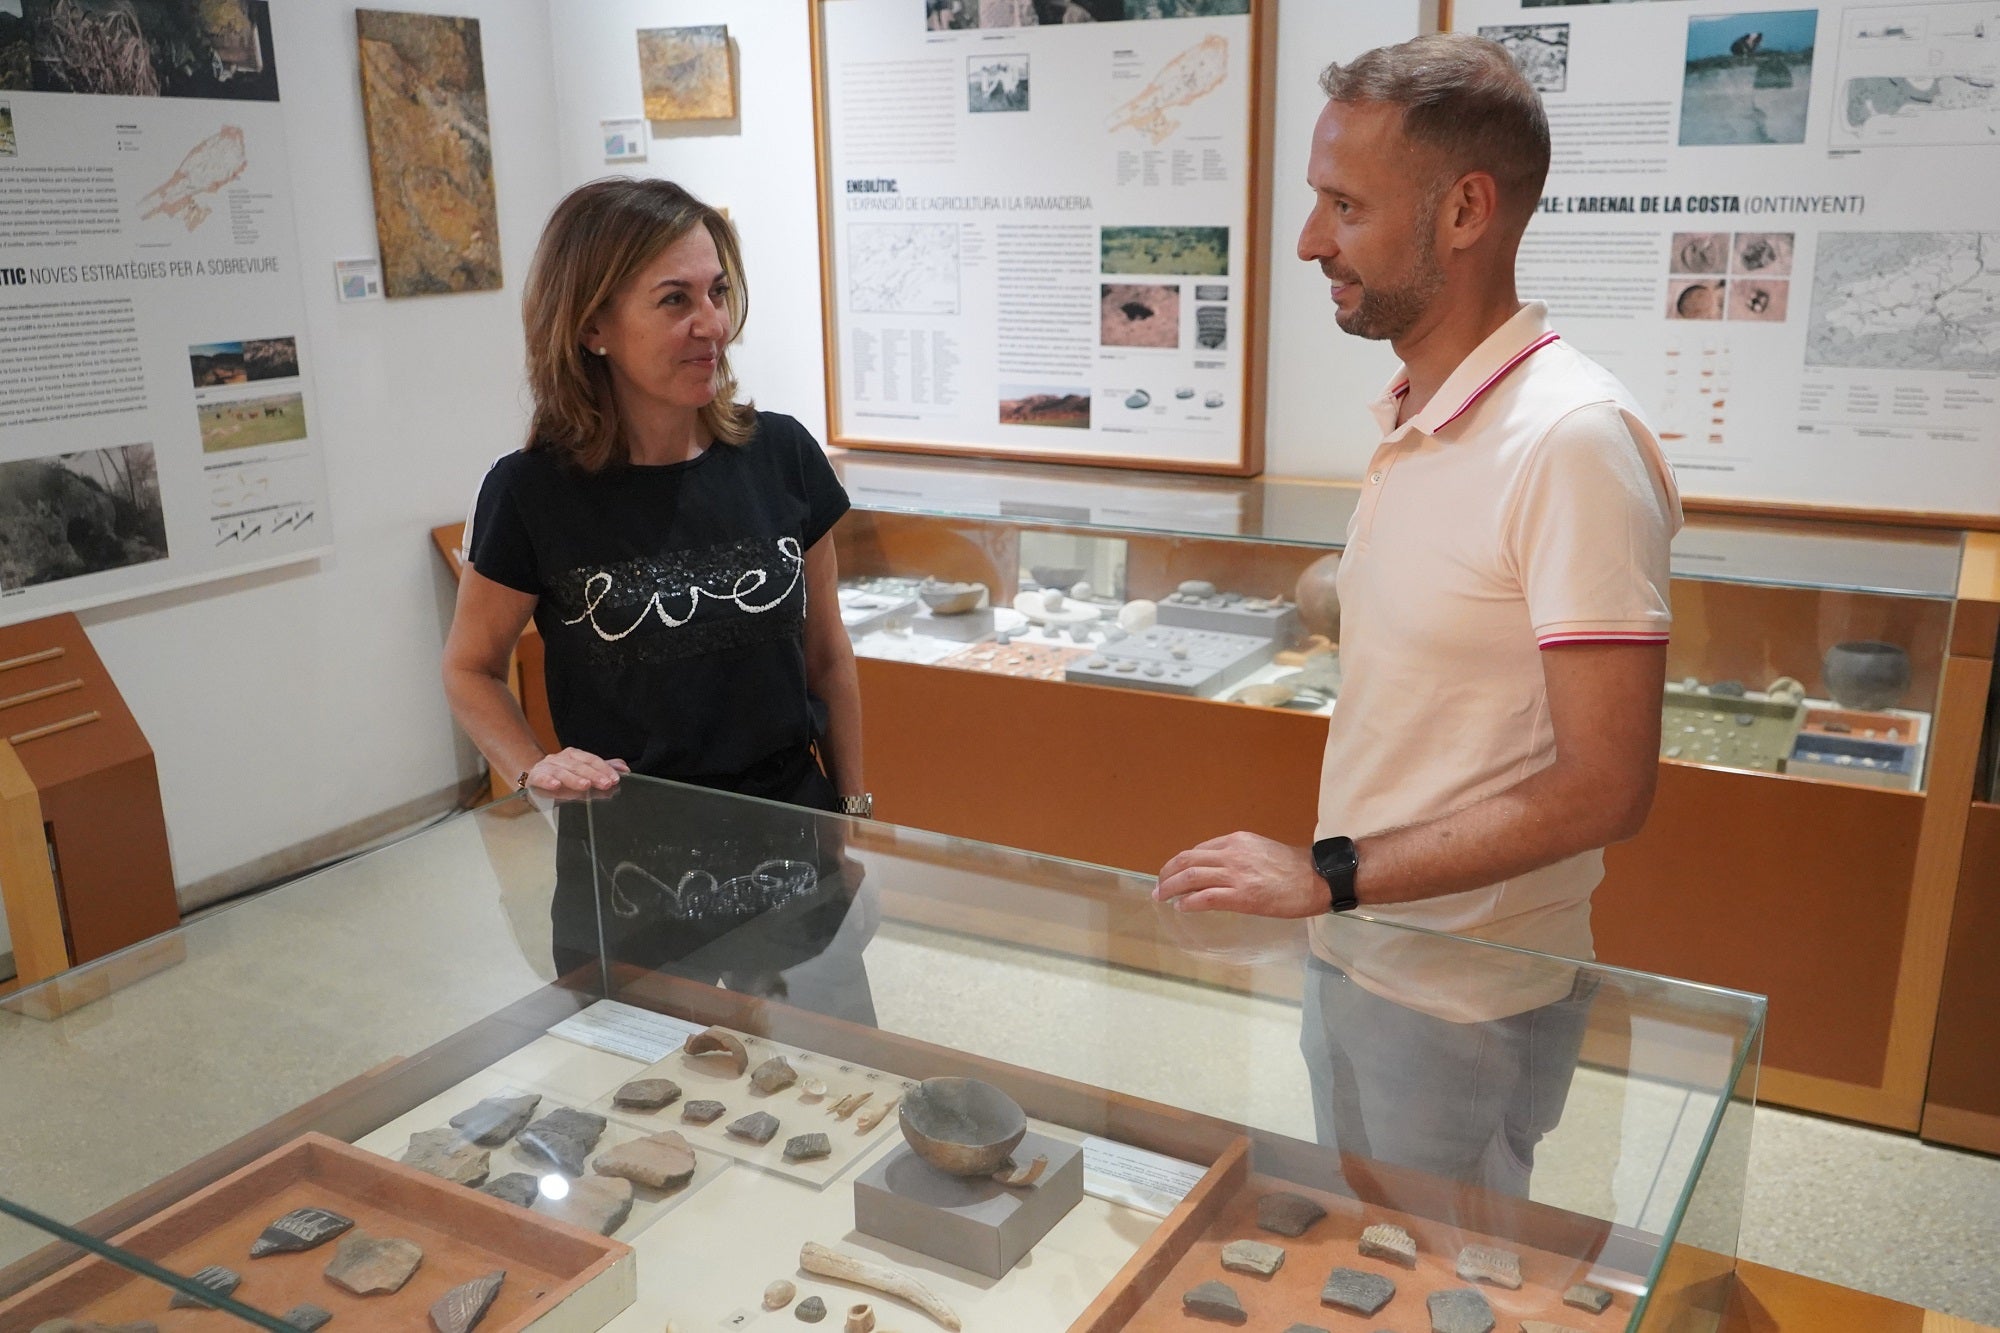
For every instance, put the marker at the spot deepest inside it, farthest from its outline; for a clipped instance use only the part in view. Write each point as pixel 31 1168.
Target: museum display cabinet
pixel 1820 725
pixel 381 1066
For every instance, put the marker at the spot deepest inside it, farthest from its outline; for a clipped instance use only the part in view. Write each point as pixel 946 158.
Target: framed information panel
pixel 1041 228
pixel 1775 222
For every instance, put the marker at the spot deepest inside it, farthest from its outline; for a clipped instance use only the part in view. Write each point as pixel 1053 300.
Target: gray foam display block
pixel 975 1224
pixel 1211 661
pixel 1280 623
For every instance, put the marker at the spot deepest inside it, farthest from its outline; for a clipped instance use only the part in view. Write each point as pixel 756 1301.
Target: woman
pixel 670 544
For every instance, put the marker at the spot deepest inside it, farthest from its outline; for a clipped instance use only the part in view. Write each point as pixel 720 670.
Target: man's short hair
pixel 1465 99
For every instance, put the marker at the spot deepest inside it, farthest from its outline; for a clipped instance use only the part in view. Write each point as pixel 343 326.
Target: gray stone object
pixel 373 1265
pixel 1352 1289
pixel 1583 1296
pixel 1253 1257
pixel 307 1317
pixel 563 1138
pixel 647 1094
pixel 516 1187
pixel 811 1310
pixel 1215 1300
pixel 446 1154
pixel 1386 1240
pixel 757 1127
pixel 1286 1214
pixel 1460 1310
pixel 460 1309
pixel 808 1148
pixel 1489 1263
pixel 703 1112
pixel 214 1278
pixel 300 1229
pixel 496 1119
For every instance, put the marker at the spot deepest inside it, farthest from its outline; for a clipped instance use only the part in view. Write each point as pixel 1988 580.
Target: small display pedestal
pixel 976 1224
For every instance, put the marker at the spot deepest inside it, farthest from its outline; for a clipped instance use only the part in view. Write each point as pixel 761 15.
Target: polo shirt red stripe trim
pixel 1555 639
pixel 1500 374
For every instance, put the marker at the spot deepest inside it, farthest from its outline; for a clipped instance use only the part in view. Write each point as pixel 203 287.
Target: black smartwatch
pixel 1336 860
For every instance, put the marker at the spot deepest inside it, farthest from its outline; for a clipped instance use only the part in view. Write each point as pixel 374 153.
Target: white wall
pixel 764 174
pixel 285 705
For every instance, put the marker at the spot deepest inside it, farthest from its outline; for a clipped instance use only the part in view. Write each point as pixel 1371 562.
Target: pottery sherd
pixel 647 1094
pixel 460 1309
pixel 1352 1289
pixel 701 1112
pixel 595 1203
pixel 1460 1310
pixel 658 1161
pixel 718 1052
pixel 516 1187
pixel 757 1127
pixel 773 1076
pixel 1215 1300
pixel 300 1229
pixel 373 1265
pixel 1286 1214
pixel 1487 1263
pixel 446 1154
pixel 496 1119
pixel 1386 1240
pixel 215 1278
pixel 808 1148
pixel 1583 1296
pixel 1253 1256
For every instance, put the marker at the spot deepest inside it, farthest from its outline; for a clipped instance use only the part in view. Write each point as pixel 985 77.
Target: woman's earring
pixel 601 351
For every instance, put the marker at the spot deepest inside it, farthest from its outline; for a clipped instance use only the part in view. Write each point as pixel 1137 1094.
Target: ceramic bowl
pixel 1866 674
pixel 961 1126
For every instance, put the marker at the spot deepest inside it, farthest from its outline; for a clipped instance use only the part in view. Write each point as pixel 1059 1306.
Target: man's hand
pixel 1242 872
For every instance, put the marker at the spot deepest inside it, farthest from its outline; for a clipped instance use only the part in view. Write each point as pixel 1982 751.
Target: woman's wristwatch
pixel 862 806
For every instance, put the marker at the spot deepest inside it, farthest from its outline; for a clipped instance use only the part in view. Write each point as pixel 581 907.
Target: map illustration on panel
pixel 903 268
pixel 1182 81
pixel 1898 300
pixel 1919 75
pixel 430 151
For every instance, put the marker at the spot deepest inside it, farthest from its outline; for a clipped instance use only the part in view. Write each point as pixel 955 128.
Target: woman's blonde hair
pixel 597 239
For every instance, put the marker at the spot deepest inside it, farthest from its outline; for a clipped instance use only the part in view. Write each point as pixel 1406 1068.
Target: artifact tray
pixel 560 1279
pixel 1187 1252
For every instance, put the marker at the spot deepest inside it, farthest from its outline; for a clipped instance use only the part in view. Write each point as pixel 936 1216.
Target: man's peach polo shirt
pixel 1527 505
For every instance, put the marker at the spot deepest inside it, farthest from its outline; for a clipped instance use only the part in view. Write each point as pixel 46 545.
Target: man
pixel 1504 621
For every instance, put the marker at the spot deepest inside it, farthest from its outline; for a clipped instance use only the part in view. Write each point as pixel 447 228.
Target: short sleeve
pixel 500 546
pixel 1590 531
pixel 826 499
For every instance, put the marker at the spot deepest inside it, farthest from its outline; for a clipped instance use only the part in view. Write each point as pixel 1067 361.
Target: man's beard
pixel 1390 312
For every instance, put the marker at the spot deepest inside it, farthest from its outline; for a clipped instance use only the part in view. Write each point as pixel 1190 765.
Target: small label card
pixel 621 1029
pixel 1148 1181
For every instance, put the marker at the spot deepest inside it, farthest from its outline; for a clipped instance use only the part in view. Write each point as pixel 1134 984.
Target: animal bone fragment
pixel 1019 1177
pixel 823 1262
pixel 872 1117
pixel 848 1105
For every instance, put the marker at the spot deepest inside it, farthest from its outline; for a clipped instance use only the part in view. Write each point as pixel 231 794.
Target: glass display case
pixel 671 1058
pixel 1803 649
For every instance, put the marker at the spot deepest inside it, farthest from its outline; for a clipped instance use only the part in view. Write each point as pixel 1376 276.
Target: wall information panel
pixel 1776 224
pixel 1040 228
pixel 156 408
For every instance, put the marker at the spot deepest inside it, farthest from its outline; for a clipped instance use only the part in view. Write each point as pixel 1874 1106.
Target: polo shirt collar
pixel 1505 348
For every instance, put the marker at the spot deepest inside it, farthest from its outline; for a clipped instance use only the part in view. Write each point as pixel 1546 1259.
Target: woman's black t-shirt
pixel 672 599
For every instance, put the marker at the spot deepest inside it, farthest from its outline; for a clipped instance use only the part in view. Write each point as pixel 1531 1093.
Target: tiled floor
pixel 284 997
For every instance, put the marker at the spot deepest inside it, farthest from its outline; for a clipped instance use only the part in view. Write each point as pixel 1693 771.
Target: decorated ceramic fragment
pixel 811 1310
pixel 773 1076
pixel 1352 1289
pixel 658 1161
pixel 808 1148
pixel 779 1294
pixel 1583 1296
pixel 962 1126
pixel 703 1112
pixel 1488 1263
pixel 1286 1214
pixel 373 1265
pixel 496 1119
pixel 563 1138
pixel 647 1094
pixel 460 1309
pixel 1253 1256
pixel 1459 1310
pixel 448 1155
pixel 516 1187
pixel 595 1203
pixel 1215 1300
pixel 215 1278
pixel 300 1229
pixel 757 1127
pixel 307 1317
pixel 1386 1240
pixel 718 1052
